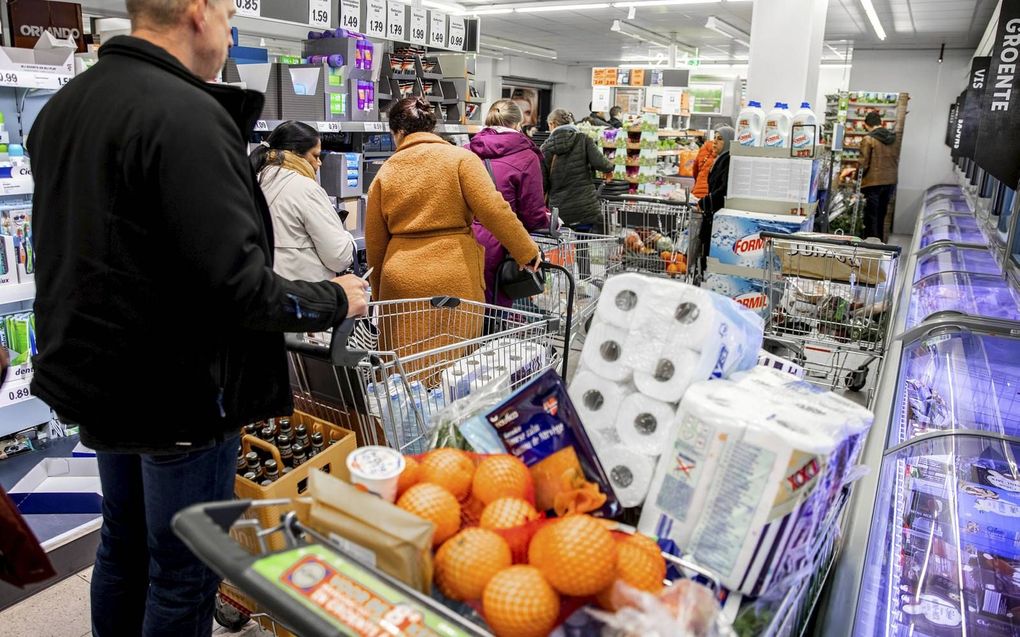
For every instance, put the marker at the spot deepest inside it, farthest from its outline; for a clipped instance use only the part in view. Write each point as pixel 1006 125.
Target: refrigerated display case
pixel 981 295
pixel 951 228
pixel 949 257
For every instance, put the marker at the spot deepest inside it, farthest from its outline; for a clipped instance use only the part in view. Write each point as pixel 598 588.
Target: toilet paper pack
pixel 736 235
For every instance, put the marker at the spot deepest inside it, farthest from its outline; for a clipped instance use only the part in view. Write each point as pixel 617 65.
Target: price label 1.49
pixel 249 8
pixel 350 14
pixel 437 29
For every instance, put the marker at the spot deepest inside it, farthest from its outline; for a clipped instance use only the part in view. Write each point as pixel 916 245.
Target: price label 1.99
pixel 320 14
pixel 396 17
pixel 419 26
pixel 375 18
pixel 249 8
pixel 437 29
pixel 456 39
pixel 350 15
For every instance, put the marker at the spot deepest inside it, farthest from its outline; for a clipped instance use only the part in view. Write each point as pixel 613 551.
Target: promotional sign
pixel 396 17
pixel 375 18
pixel 418 27
pixel 999 135
pixel 954 109
pixel 320 13
pixel 457 32
pixel 30 18
pixel 603 76
pixel 350 15
pixel 971 114
pixel 437 29
pixel 957 132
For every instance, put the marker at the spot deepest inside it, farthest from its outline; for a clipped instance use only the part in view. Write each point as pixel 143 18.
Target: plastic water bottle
pixel 777 127
pixel 804 138
pixel 750 124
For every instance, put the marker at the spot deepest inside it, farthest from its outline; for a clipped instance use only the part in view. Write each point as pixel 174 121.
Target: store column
pixel 786 51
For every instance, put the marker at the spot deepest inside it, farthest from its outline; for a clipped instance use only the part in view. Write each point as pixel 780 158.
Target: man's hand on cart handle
pixel 355 288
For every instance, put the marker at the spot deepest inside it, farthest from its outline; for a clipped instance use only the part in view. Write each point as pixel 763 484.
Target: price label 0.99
pixel 350 15
pixel 328 127
pixel 437 29
pixel 249 8
pixel 456 40
pixel 320 14
pixel 396 17
pixel 375 18
pixel 419 26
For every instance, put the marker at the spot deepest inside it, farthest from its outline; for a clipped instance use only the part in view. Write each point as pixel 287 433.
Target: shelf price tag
pixel 457 32
pixel 328 127
pixel 437 29
pixel 15 393
pixel 396 19
pixel 320 13
pixel 249 8
pixel 375 127
pixel 350 15
pixel 375 18
pixel 10 78
pixel 419 25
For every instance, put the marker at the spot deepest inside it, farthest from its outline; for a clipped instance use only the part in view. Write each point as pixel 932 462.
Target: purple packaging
pixel 539 424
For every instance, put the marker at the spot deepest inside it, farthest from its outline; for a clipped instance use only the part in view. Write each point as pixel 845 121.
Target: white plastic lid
pixel 375 462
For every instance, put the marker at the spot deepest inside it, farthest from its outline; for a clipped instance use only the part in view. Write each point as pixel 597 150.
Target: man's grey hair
pixel 159 12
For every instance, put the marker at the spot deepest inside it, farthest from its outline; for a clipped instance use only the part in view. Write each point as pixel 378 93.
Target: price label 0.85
pixel 437 29
pixel 320 14
pixel 249 8
pixel 350 15
pixel 396 18
pixel 419 26
pixel 375 18
pixel 456 40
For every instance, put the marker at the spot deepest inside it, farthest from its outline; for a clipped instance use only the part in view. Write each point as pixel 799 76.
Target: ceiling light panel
pixel 869 10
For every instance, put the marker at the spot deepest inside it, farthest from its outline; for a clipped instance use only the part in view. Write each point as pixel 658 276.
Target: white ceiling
pixel 585 36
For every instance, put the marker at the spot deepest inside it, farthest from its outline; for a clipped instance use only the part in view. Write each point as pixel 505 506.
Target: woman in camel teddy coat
pixel 418 231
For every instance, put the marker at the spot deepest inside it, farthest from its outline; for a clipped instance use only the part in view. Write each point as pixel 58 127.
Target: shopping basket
pixel 384 376
pixel 659 236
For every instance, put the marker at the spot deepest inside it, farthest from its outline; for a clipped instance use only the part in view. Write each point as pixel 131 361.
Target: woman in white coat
pixel 311 241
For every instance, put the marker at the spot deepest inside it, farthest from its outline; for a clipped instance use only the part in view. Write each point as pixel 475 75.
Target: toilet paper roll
pixel 644 424
pixel 604 350
pixel 674 373
pixel 621 299
pixel 630 474
pixel 596 400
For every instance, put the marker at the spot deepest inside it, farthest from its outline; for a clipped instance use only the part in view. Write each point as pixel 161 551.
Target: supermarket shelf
pixel 22 414
pixel 630 146
pixel 264 126
pixel 669 152
pixel 17 186
pixel 17 293
pixel 873 105
pixel 34 79
pixel 681 133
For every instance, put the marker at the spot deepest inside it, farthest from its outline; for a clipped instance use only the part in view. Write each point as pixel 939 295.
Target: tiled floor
pixel 62 610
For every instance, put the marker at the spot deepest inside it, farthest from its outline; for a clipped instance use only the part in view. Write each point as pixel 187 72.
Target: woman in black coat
pixel 718 182
pixel 570 159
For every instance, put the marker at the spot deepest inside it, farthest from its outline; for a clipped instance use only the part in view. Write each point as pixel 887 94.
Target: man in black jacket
pixel 160 321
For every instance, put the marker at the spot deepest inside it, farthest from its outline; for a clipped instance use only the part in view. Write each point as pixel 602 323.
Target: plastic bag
pixel 462 423
pixel 684 609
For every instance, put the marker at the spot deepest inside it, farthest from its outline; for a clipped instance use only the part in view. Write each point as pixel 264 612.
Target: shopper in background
pixel 595 118
pixel 418 235
pixel 311 241
pixel 515 164
pixel 702 167
pixel 614 117
pixel 718 182
pixel 160 320
pixel 880 167
pixel 571 158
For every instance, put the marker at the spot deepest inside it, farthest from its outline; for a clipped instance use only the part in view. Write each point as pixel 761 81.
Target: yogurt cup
pixel 377 469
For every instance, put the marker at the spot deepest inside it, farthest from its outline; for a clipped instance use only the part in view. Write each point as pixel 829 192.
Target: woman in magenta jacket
pixel 516 166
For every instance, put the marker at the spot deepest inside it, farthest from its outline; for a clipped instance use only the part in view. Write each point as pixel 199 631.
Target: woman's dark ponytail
pixel 297 137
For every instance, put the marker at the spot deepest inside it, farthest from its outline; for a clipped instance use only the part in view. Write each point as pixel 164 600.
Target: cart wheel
pixel 856 380
pixel 229 617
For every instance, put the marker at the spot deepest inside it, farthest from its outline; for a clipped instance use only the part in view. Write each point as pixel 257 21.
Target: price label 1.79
pixel 419 26
pixel 396 17
pixel 249 8
pixel 437 29
pixel 375 18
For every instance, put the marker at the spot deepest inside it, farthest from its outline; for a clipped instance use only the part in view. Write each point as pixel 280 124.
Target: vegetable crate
pixel 830 300
pixel 659 236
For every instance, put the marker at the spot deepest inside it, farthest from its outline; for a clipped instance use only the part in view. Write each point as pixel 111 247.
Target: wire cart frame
pixel 659 236
pixel 830 302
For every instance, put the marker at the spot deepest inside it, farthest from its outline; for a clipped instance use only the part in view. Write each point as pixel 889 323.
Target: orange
pixel 640 564
pixel 501 476
pixel 519 602
pixel 409 476
pixel 435 504
pixel 451 469
pixel 467 561
pixel 576 554
pixel 509 513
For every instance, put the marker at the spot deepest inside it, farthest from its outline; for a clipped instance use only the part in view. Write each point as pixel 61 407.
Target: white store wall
pixel 924 159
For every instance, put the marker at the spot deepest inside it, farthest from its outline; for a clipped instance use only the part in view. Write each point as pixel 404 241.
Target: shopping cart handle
pixel 337 354
pixel 204 529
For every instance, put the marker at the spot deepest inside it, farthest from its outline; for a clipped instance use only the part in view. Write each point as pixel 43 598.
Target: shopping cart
pixel 659 236
pixel 386 375
pixel 296 587
pixel 830 303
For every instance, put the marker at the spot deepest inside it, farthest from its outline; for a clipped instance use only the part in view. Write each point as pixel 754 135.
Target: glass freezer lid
pixel 943 556
pixel 980 295
pixel 947 258
pixel 952 228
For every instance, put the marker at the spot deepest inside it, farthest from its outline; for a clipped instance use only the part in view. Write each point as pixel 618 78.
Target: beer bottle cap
pixel 271 466
pixel 283 441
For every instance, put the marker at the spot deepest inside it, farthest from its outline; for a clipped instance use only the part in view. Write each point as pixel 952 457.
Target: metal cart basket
pixel 830 301
pixel 659 236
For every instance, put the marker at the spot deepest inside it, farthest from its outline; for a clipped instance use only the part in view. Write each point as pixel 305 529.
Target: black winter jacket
pixel 718 185
pixel 159 318
pixel 570 158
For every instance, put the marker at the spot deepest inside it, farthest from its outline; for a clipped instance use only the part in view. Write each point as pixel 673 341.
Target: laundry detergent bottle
pixel 750 124
pixel 777 127
pixel 805 127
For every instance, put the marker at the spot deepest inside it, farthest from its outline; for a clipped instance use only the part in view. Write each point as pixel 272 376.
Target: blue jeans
pixel 146 581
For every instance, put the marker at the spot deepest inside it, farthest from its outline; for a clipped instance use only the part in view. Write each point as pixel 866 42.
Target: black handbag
pixel 511 280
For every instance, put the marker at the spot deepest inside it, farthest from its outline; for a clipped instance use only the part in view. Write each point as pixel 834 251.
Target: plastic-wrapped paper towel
pixel 629 472
pixel 643 424
pixel 597 402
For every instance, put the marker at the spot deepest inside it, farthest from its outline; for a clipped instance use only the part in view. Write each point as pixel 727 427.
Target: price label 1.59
pixel 249 8
pixel 320 13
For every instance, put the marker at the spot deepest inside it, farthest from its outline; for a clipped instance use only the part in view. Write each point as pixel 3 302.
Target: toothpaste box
pixel 749 292
pixel 736 235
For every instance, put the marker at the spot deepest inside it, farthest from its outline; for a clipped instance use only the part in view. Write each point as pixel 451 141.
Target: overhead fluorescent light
pixel 537 7
pixel 744 42
pixel 501 44
pixel 662 3
pixel 639 33
pixel 493 11
pixel 725 28
pixel 869 10
pixel 445 6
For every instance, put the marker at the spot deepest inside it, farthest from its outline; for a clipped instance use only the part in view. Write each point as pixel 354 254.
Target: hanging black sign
pixel 971 114
pixel 998 140
pixel 954 108
pixel 956 134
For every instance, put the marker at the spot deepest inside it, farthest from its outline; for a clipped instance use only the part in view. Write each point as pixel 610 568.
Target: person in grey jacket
pixel 570 159
pixel 311 241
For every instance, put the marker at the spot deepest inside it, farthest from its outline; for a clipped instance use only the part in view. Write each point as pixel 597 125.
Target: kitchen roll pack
pixel 751 473
pixel 650 340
